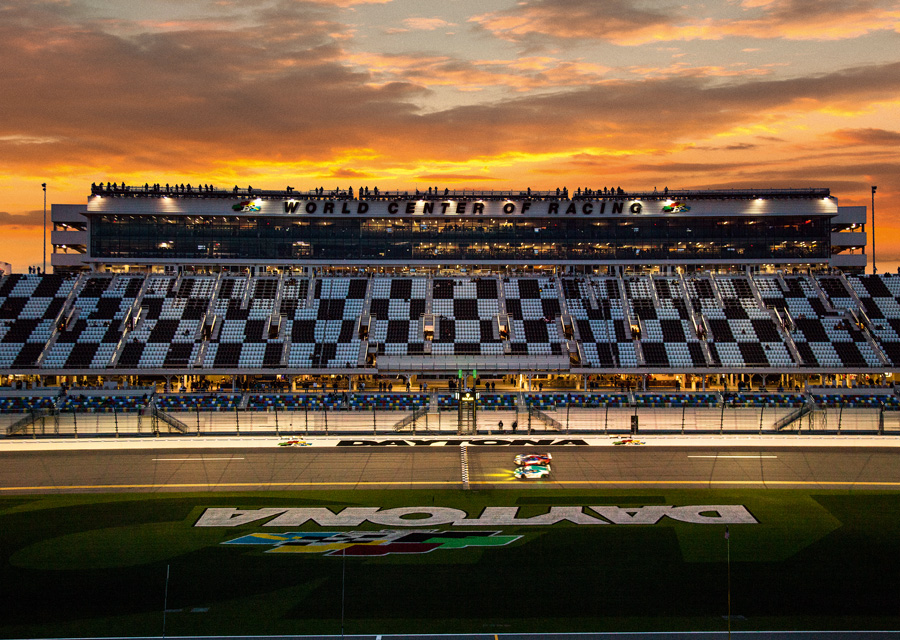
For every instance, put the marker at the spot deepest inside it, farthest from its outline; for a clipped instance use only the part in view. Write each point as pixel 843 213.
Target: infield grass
pixel 95 565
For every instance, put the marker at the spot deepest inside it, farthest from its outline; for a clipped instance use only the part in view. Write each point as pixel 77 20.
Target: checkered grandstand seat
pixel 746 338
pixel 89 338
pixel 667 335
pixel 167 327
pixel 879 296
pixel 838 295
pixel 396 308
pixel 29 308
pixel 466 311
pixel 534 308
pixel 801 297
pixel 265 322
pixel 595 307
pixel 833 342
pixel 324 334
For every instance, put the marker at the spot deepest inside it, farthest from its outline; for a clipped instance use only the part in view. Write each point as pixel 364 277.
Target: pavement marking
pixel 765 483
pixel 718 457
pixel 191 459
pixel 464 462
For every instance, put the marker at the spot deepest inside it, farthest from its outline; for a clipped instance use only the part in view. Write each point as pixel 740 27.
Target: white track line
pixel 728 457
pixel 191 459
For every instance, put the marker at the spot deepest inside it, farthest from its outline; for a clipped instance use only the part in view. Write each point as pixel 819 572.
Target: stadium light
pixel 44 187
pixel 874 270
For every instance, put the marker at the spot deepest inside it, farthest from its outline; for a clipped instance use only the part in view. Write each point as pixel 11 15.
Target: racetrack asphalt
pixel 489 467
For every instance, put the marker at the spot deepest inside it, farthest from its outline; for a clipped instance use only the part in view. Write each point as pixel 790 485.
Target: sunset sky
pixel 489 94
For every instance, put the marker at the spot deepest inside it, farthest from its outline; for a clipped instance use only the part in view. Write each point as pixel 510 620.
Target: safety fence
pixel 602 420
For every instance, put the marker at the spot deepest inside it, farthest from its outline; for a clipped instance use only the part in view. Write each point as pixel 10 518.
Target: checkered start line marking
pixel 464 465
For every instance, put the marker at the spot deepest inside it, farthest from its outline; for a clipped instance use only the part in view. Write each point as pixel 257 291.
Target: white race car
pixel 532 471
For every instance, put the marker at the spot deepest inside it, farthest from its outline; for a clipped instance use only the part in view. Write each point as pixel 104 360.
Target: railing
pixel 543 417
pixel 411 419
pixel 209 191
pixel 177 424
pixel 792 417
pixel 585 421
pixel 23 423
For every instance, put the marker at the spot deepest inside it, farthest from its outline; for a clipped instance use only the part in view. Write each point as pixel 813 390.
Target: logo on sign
pixel 246 206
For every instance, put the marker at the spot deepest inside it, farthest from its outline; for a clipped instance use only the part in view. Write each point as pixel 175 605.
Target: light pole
pixel 44 187
pixel 874 270
pixel 728 561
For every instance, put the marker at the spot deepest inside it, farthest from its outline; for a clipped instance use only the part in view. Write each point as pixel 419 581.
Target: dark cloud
pixel 672 111
pixel 27 219
pixel 877 137
pixel 535 21
pixel 740 147
pixel 180 99
pixel 770 138
pixel 800 11
pixel 281 92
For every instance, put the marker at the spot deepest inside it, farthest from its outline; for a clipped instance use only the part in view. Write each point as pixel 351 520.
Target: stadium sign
pixel 465 207
pixel 491 516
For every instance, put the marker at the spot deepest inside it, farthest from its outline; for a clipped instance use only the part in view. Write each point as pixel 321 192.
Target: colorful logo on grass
pixel 676 207
pixel 246 206
pixel 373 543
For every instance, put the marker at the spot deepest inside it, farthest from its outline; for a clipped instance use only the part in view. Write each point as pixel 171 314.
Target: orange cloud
pixel 344 172
pixel 426 24
pixel 522 74
pixel 449 178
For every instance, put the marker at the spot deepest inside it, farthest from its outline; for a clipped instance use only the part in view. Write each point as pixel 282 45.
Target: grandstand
pixel 177 288
pixel 144 326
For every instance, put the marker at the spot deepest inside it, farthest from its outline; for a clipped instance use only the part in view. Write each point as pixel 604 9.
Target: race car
pixel 532 471
pixel 628 441
pixel 294 442
pixel 524 459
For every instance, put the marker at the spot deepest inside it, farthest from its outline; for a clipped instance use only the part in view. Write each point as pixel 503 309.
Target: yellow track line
pixel 849 483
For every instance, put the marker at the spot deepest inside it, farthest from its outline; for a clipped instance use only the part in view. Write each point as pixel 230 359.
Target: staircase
pixel 539 415
pixel 409 422
pixel 174 423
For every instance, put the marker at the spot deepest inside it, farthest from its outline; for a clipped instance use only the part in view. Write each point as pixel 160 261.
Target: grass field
pixel 95 565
